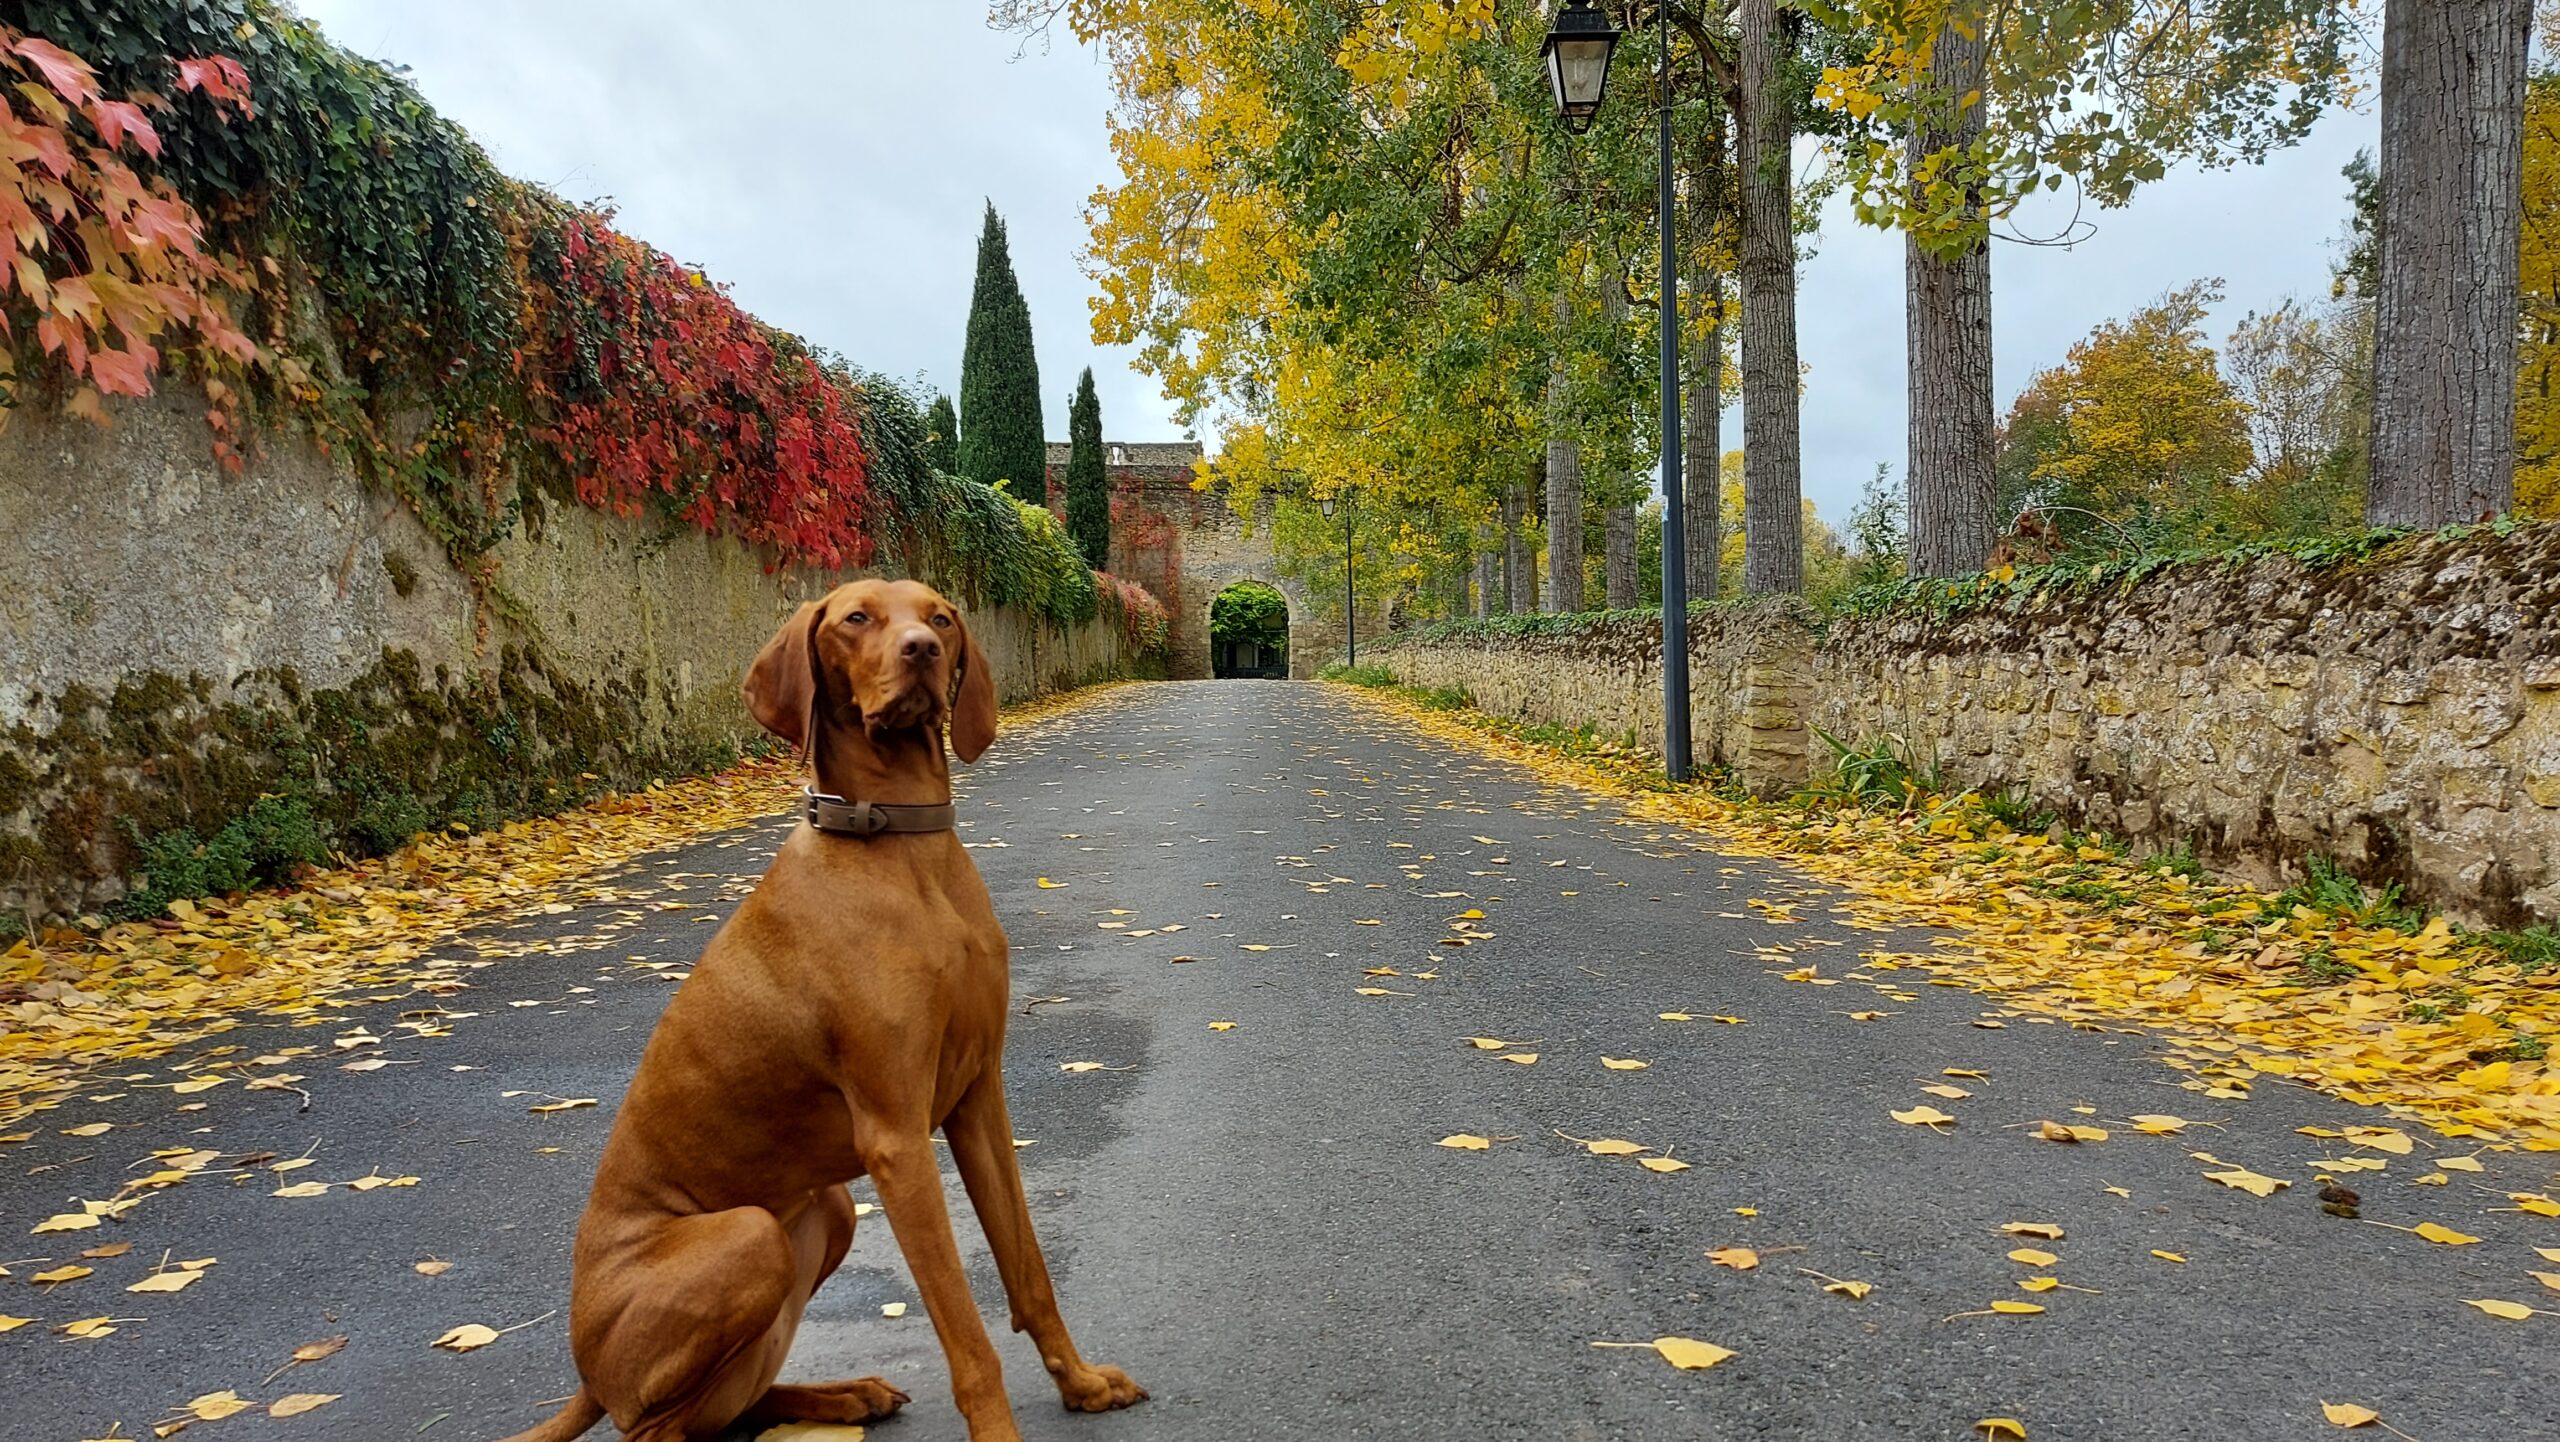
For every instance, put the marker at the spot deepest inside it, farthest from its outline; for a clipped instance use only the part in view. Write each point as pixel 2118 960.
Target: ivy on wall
pixel 472 344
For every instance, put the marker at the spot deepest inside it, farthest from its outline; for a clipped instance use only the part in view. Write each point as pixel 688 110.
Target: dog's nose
pixel 920 646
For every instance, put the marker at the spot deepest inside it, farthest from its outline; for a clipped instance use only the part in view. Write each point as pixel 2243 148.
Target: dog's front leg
pixel 981 1135
pixel 899 1157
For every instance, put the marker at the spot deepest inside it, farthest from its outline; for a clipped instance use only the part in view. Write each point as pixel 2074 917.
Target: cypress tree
pixel 1088 486
pixel 942 436
pixel 1000 438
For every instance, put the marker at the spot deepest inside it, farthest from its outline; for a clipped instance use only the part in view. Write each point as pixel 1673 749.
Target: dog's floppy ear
pixel 973 716
pixel 782 684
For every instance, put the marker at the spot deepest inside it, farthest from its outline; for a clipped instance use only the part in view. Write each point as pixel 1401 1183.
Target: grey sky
pixel 829 160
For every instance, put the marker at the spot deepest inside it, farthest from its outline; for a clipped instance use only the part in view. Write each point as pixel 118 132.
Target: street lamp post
pixel 1350 606
pixel 1577 51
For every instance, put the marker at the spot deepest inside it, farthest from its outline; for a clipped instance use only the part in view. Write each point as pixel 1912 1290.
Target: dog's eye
pixel 942 621
pixel 857 618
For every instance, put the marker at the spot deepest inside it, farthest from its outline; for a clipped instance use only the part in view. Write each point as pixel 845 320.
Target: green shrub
pixel 2327 888
pixel 268 843
pixel 1884 772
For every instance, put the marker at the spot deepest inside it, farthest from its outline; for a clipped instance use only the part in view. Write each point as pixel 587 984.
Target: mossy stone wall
pixel 177 645
pixel 2399 713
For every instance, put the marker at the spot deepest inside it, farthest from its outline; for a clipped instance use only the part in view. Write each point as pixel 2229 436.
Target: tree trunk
pixel 1488 583
pixel 1564 480
pixel 1518 594
pixel 1772 444
pixel 1702 427
pixel 1702 447
pixel 2452 203
pixel 1618 557
pixel 1947 318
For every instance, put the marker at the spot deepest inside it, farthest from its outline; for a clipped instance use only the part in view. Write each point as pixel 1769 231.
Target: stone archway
pixel 1247 640
pixel 1311 639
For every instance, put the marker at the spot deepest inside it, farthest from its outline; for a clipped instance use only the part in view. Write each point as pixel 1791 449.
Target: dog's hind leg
pixel 820 1236
pixel 981 1135
pixel 699 1315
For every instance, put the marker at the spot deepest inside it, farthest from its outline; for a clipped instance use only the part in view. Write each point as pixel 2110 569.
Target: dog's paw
pixel 874 1395
pixel 1099 1389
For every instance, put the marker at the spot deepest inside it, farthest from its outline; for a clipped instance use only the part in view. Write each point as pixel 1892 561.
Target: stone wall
pixel 1746 680
pixel 2400 714
pixel 176 643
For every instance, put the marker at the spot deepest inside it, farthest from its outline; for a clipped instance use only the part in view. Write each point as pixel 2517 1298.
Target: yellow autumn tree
pixel 2136 433
pixel 2538 365
pixel 1338 240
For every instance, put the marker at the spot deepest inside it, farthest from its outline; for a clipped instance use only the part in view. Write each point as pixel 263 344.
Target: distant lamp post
pixel 1577 52
pixel 1350 604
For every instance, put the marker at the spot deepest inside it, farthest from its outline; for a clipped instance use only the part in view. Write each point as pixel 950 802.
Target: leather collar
pixel 862 818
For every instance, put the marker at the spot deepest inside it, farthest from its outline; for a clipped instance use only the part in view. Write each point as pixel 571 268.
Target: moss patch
pixel 176 786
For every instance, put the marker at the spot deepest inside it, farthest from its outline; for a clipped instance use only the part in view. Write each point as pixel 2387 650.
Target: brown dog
pixel 855 1002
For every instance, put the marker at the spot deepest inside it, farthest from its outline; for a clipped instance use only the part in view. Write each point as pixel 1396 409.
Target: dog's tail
pixel 581 1413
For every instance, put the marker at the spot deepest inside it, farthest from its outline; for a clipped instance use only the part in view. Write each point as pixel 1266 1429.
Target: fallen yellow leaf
pixel 2512 1311
pixel 2033 1257
pixel 214 1406
pixel 2446 1235
pixel 1923 1116
pixel 1615 1063
pixel 2046 1230
pixel 2348 1414
pixel 1686 1353
pixel 2167 1256
pixel 466 1337
pixel 2248 1181
pixel 1661 1164
pixel 1998 1427
pixel 1467 1142
pixel 565 1104
pixel 2016 1309
pixel 299 1403
pixel 1741 1259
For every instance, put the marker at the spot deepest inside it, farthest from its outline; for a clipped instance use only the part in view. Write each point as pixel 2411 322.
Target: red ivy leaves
pixel 223 80
pixel 671 391
pixel 1143 618
pixel 107 262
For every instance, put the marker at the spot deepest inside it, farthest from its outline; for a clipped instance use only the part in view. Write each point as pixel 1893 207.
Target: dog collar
pixel 862 818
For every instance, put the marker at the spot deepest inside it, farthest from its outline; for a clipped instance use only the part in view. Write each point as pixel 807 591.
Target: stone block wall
pixel 1747 670
pixel 2400 714
pixel 176 643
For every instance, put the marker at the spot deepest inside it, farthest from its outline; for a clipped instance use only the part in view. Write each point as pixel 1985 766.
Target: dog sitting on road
pixel 856 1001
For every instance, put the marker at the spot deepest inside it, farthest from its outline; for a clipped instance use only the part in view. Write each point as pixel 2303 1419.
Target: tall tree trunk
pixel 1702 427
pixel 1947 317
pixel 1772 442
pixel 1488 581
pixel 1618 557
pixel 1702 446
pixel 1564 479
pixel 1519 595
pixel 2452 203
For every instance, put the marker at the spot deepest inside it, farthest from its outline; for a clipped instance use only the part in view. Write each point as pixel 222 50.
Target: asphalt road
pixel 1257 1221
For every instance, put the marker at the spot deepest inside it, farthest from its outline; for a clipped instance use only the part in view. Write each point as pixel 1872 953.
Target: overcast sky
pixel 830 159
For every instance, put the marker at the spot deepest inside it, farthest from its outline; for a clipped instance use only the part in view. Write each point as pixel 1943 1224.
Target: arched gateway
pixel 1187 545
